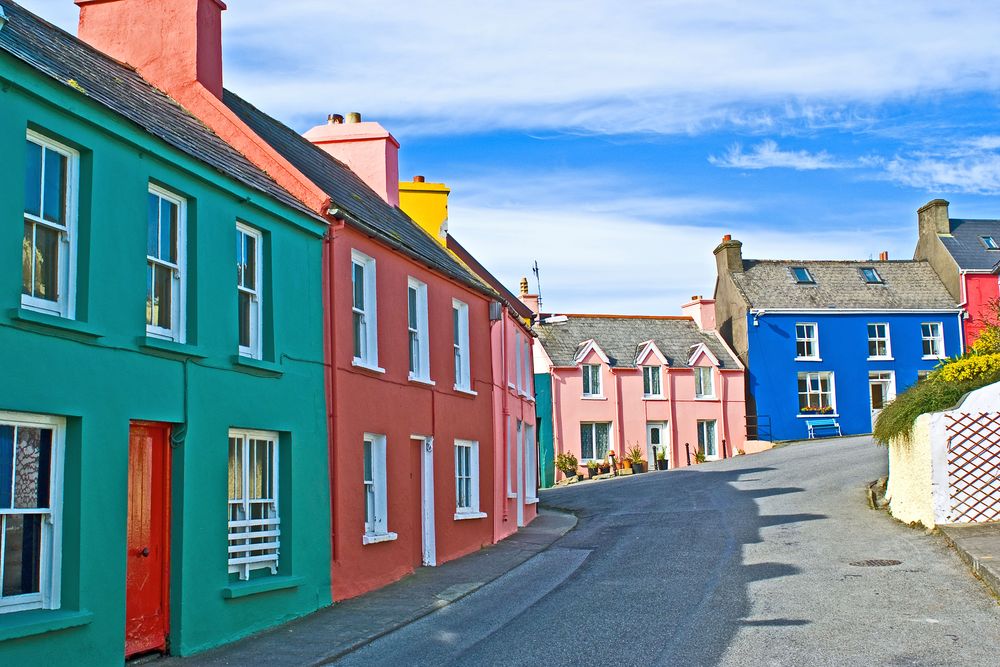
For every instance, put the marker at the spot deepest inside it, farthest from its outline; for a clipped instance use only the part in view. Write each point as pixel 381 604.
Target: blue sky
pixel 615 142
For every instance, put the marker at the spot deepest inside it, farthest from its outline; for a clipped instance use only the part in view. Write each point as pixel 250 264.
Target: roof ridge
pixel 627 317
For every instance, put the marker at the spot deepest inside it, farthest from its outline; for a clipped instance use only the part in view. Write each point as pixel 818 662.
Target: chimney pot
pixel 418 179
pixel 727 238
pixel 335 119
pixel 524 286
pixel 354 117
pixel 883 256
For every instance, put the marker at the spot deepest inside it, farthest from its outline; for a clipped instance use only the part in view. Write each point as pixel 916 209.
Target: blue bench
pixel 823 425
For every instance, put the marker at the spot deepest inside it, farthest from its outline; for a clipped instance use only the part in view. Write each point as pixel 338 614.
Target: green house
pixel 164 478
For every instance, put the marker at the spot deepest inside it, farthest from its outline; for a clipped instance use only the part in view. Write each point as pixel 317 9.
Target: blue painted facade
pixel 773 371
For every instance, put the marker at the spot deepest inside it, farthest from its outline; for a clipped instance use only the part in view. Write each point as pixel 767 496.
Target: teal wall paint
pixel 543 414
pixel 101 383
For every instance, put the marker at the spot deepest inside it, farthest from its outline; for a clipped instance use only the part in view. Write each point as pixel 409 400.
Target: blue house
pixel 828 343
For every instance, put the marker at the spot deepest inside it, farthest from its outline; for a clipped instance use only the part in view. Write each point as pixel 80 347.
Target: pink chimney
pixel 367 148
pixel 702 311
pixel 172 43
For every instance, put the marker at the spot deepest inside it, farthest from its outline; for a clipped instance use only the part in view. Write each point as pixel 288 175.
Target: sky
pixel 615 143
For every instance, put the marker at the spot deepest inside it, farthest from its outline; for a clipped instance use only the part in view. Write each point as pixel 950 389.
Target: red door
pixel 148 556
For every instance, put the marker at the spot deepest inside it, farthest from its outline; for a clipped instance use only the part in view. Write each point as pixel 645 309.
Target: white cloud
pixel 969 166
pixel 666 67
pixel 766 155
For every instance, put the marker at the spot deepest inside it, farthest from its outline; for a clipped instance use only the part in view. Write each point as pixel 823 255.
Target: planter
pixel 638 468
pixel 661 464
pixel 591 473
pixel 604 470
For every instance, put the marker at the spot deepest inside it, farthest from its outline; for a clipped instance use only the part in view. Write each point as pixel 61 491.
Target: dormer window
pixel 591 380
pixel 990 242
pixel 871 276
pixel 802 275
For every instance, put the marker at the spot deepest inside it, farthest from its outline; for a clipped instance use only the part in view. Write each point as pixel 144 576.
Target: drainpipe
pixel 331 373
pixel 725 422
pixel 505 415
pixel 674 431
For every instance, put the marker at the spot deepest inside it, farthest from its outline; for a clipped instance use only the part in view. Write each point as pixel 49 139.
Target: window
pixel 878 341
pixel 595 441
pixel 592 380
pixel 807 340
pixel 707 443
pixel 989 242
pixel 30 511
pixel 530 464
pixel 816 393
pixel 510 460
pixel 376 502
pixel 933 340
pixel 48 260
pixel 364 310
pixel 467 479
pixel 651 381
pixel 165 231
pixel 517 360
pixel 460 340
pixel 922 375
pixel 528 369
pixel 248 290
pixel 802 275
pixel 419 343
pixel 870 276
pixel 254 526
pixel 703 385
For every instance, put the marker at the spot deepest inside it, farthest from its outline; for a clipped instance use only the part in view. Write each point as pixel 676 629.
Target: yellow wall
pixel 427 204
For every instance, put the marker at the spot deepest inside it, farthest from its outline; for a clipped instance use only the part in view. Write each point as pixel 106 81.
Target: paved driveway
pixel 741 562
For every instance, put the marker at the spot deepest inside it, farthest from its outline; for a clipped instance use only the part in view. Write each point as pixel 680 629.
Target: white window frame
pixel 810 341
pixel 376 526
pixel 256 349
pixel 591 372
pixel 593 431
pixel 879 339
pixel 528 386
pixel 699 382
pixel 50 553
pixel 530 465
pixel 937 339
pixel 368 312
pixel 178 270
pixel 703 439
pixel 463 379
pixel 809 279
pixel 65 305
pixel 243 531
pixel 818 376
pixel 989 242
pixel 471 509
pixel 418 332
pixel 509 455
pixel 517 361
pixel 652 372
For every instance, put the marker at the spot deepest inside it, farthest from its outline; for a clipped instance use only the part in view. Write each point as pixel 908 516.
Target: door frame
pixel 519 445
pixel 428 536
pixel 167 518
pixel 890 390
pixel 664 443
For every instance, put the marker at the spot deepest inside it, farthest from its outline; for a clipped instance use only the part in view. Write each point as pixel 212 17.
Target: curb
pixel 986 570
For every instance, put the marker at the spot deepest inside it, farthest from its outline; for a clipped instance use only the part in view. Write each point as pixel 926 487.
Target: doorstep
pixel 979 546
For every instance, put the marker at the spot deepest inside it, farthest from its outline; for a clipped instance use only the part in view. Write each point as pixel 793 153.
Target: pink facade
pixel 981 290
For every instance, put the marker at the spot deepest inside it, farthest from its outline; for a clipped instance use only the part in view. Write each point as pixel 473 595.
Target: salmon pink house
pixel 668 386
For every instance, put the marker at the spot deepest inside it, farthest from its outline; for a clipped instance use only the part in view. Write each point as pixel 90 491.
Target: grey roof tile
pixel 622 338
pixel 907 285
pixel 966 246
pixel 75 64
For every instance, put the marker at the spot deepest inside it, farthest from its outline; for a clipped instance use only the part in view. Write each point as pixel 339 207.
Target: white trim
pixel 378 525
pixel 593 426
pixel 462 390
pixel 368 312
pixel 519 489
pixel 662 426
pixel 462 516
pixel 255 349
pixel 888 342
pixel 715 438
pixel 711 381
pixel 460 346
pixel 375 538
pixel 702 349
pixel 588 347
pixel 833 392
pixel 178 283
pixel 421 331
pixel 360 364
pixel 530 465
pixel 65 305
pixel 814 340
pixel 428 535
pixel 939 340
pixel 760 312
pixel 650 348
pixel 473 476
pixel 659 381
pixel 586 374
pixel 244 530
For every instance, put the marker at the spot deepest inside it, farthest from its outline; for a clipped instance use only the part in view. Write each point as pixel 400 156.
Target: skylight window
pixel 871 276
pixel 802 275
pixel 990 242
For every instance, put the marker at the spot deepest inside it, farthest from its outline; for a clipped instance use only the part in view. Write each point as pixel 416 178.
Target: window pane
pixel 235 469
pixel 33 179
pixel 587 441
pixel 412 307
pixel 654 436
pixel 6 464
pixel 455 326
pixel 32 466
pixel 21 554
pixel 152 226
pixel 162 296
pixel 655 372
pixel 603 434
pixel 46 263
pixel 359 287
pixel 245 306
pixel 168 231
pixel 358 335
pixel 250 262
pixel 54 195
pixel 27 258
pixel 646 383
pixel 368 461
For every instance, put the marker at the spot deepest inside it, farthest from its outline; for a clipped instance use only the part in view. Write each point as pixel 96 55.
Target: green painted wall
pixel 101 383
pixel 543 415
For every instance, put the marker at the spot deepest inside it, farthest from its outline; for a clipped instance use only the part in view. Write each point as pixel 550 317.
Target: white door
pixel 656 440
pixel 519 444
pixel 428 540
pixel 881 389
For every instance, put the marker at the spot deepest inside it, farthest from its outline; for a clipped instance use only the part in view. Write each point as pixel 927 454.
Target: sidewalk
pixel 979 546
pixel 346 626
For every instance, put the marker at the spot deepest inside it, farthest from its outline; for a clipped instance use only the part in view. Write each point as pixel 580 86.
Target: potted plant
pixel 699 456
pixel 661 460
pixel 567 463
pixel 634 458
pixel 591 469
pixel 604 467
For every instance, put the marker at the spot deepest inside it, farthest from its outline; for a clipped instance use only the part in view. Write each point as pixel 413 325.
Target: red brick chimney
pixel 367 148
pixel 172 43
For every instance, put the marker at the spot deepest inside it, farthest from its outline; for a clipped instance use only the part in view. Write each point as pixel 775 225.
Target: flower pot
pixel 639 468
pixel 661 464
pixel 591 473
pixel 604 470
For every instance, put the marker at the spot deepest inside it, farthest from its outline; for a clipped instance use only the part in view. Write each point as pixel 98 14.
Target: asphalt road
pixel 740 562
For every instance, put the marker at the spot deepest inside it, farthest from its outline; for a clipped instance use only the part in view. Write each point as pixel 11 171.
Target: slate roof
pixel 622 338
pixel 75 64
pixel 506 295
pixel 907 285
pixel 967 249
pixel 350 193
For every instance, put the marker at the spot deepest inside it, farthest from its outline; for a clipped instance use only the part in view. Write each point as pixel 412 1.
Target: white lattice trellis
pixel 974 466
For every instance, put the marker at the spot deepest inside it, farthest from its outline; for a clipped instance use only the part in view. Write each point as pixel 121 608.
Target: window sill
pixel 808 359
pixel 531 501
pixel 170 347
pixel 880 359
pixel 706 398
pixel 427 381
pixel 258 366
pixel 40 621
pixel 511 496
pixel 63 324
pixel 462 516
pixel 370 538
pixel 263 585
pixel 510 385
pixel 594 398
pixel 932 358
pixel 468 392
pixel 817 416
pixel 357 363
pixel 654 398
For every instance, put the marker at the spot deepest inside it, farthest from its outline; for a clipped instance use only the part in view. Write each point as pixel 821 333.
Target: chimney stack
pixel 932 218
pixel 427 204
pixel 172 43
pixel 702 311
pixel 729 256
pixel 366 148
